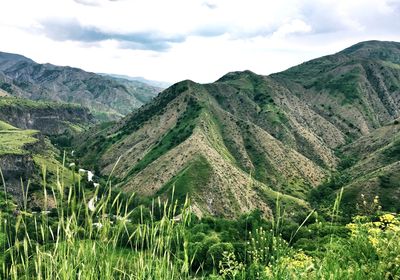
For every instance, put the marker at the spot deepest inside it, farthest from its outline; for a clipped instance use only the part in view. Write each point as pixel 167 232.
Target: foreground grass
pixel 97 234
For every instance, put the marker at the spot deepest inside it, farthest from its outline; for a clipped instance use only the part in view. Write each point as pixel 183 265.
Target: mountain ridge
pixel 159 84
pixel 268 134
pixel 107 98
pixel 246 140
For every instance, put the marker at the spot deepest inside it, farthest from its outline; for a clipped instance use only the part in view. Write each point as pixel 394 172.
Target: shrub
pixel 216 252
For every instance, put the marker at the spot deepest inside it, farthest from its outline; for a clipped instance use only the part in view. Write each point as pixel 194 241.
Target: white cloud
pixel 200 40
pixel 295 26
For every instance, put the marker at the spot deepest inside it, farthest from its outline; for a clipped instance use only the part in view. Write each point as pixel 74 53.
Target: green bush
pixel 216 251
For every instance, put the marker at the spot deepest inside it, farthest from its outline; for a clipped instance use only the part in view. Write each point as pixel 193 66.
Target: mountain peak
pixel 7 59
pixel 381 50
pixel 4 56
pixel 234 75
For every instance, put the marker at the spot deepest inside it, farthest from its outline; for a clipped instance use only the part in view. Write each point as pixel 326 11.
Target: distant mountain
pixel 235 144
pixel 107 98
pixel 159 84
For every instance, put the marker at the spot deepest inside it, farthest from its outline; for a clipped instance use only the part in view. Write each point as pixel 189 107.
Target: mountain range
pixel 106 97
pixel 236 144
pixel 246 140
pixel 153 83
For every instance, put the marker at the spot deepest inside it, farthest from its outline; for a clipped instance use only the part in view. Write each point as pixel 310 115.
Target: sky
pixel 200 40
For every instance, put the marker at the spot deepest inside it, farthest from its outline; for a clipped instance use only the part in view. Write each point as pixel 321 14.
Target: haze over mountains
pixel 159 84
pixel 238 143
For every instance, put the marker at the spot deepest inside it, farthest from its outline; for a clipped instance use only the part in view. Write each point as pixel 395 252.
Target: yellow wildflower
pixel 377 224
pixel 387 218
pixel 374 231
pixel 393 227
pixel 374 241
pixel 353 228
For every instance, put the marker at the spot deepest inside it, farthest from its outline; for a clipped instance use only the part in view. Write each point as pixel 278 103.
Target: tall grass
pixel 89 235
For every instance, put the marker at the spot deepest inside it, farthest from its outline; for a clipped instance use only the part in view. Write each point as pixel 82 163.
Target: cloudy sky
pixel 201 40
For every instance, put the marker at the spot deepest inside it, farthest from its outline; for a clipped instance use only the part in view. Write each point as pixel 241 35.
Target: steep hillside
pixel 225 158
pixel 375 167
pixel 23 154
pixel 51 118
pixel 357 89
pixel 370 167
pixel 233 145
pixel 106 97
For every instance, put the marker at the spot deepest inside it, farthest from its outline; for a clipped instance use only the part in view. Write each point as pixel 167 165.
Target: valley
pixel 303 164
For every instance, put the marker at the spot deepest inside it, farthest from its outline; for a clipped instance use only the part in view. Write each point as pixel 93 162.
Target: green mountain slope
pixel 186 138
pixel 376 167
pixel 356 89
pixel 106 97
pixel 233 145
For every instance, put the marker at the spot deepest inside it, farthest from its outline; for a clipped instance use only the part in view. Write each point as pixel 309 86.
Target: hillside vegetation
pixel 99 234
pixel 293 133
pixel 289 176
pixel 25 156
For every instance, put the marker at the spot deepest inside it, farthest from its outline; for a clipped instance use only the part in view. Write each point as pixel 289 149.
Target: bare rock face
pixel 51 119
pixel 16 166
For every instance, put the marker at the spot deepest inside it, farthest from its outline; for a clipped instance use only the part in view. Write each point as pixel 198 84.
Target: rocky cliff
pixel 50 118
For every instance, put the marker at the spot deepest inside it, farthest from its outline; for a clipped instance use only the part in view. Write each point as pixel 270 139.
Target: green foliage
pixel 112 240
pixel 183 129
pixel 389 183
pixel 261 165
pixel 320 75
pixel 91 153
pixel 346 83
pixel 25 104
pixel 63 141
pixel 325 193
pixel 393 152
pixel 6 126
pixel 152 109
pixel 6 87
pixel 14 141
pixel 141 215
pixel 215 253
pixel 78 239
pixel 190 180
pixel 346 161
pixel 7 204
